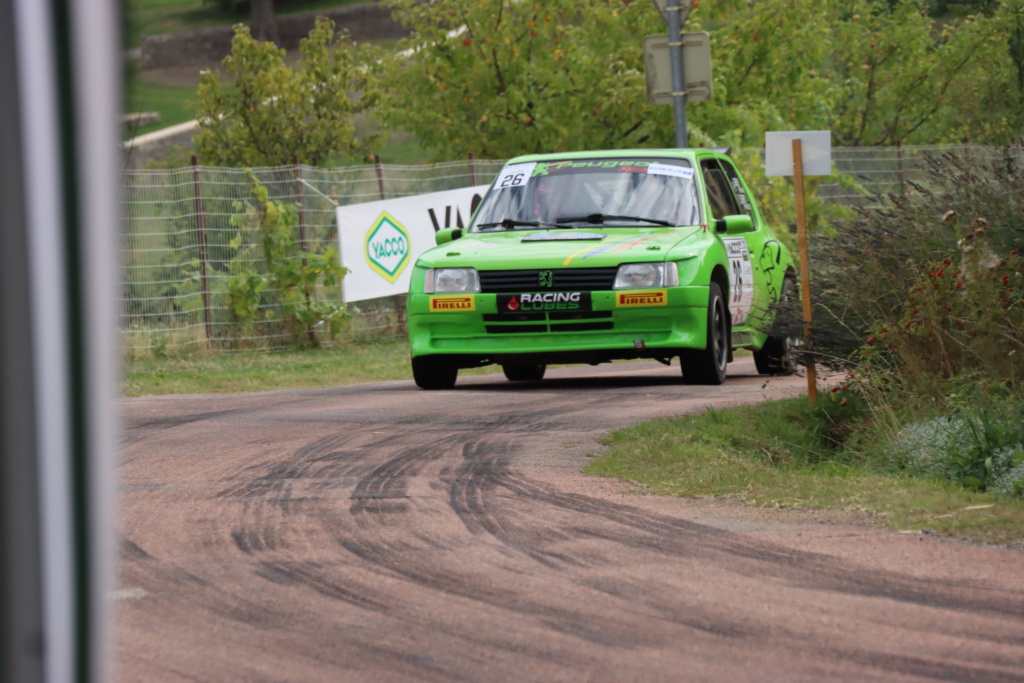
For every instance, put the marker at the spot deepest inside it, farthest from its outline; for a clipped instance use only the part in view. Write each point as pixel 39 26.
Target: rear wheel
pixel 708 365
pixel 517 372
pixel 776 356
pixel 431 373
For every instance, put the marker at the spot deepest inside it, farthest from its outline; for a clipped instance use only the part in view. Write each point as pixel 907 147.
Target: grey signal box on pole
pixel 696 68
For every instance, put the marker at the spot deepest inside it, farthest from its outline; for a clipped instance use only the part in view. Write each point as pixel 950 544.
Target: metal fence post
pixel 201 236
pixel 303 244
pixel 900 171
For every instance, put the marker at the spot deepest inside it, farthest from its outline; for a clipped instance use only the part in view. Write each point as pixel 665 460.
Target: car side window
pixel 720 196
pixel 737 188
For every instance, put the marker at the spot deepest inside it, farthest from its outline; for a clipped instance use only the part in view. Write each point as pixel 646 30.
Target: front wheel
pixel 776 356
pixel 519 372
pixel 430 373
pixel 708 365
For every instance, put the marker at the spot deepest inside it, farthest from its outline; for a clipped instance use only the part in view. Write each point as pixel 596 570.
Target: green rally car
pixel 590 257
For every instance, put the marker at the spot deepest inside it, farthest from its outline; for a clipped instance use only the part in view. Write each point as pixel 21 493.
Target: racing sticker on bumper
pixel 451 304
pixel 651 297
pixel 544 301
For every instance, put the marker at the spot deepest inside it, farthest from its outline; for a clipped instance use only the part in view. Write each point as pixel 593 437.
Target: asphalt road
pixel 383 533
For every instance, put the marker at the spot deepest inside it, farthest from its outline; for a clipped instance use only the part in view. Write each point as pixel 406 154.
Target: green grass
pixel 780 455
pixel 229 373
pixel 154 17
pixel 142 95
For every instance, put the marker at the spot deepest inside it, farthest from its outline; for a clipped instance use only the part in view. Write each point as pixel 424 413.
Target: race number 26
pixel 514 176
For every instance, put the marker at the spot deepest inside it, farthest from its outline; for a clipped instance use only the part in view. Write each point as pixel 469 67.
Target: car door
pixel 749 279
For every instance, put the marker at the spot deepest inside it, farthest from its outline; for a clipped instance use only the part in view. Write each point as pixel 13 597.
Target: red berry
pixel 467 41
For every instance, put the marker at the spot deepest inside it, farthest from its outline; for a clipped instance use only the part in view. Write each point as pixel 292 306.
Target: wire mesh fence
pixel 184 247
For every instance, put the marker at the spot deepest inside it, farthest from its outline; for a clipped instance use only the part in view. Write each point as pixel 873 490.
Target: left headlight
pixel 646 276
pixel 451 280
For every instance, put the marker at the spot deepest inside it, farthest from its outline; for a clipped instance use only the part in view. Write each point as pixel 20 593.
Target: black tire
pixel 776 356
pixel 516 372
pixel 708 365
pixel 431 373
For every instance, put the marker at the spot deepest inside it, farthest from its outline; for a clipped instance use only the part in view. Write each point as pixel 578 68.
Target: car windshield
pixel 609 193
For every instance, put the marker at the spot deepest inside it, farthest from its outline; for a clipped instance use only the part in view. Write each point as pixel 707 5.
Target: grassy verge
pixel 229 373
pixel 265 371
pixel 783 454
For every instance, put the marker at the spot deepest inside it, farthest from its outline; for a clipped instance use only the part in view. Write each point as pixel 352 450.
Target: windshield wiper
pixel 511 223
pixel 598 218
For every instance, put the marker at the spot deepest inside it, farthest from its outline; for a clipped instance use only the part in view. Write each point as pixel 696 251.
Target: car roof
pixel 691 153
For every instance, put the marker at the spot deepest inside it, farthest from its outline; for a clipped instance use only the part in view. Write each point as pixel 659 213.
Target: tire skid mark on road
pixel 315 576
pixel 1004 670
pixel 361 574
pixel 137 423
pixel 473 488
pixel 674 537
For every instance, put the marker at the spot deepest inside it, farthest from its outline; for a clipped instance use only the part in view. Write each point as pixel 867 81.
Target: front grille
pixel 562 280
pixel 542 317
pixel 551 322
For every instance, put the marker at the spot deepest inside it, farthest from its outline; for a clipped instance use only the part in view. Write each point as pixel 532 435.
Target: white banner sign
pixel 380 241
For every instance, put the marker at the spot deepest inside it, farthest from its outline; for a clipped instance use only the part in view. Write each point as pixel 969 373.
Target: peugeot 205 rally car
pixel 590 257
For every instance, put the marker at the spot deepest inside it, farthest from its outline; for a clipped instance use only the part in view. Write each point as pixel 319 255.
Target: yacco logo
pixel 654 297
pixel 387 247
pixel 447 304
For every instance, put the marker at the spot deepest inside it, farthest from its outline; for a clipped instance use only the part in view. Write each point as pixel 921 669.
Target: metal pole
pixel 303 245
pixel 675 51
pixel 204 282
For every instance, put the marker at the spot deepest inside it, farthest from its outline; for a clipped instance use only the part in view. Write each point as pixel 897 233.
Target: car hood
pixel 560 248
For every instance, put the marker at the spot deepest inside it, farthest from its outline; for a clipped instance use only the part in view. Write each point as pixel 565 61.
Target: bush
pixel 978 444
pixel 959 209
pixel 919 301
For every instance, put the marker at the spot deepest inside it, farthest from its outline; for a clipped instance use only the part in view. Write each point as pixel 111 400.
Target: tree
pixel 902 78
pixel 501 77
pixel 504 77
pixel 271 113
pixel 263 25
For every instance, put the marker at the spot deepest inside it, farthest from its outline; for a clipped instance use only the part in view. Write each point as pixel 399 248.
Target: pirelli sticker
pixel 452 304
pixel 649 297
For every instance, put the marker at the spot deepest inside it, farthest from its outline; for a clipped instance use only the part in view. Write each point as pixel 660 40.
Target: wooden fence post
pixel 380 176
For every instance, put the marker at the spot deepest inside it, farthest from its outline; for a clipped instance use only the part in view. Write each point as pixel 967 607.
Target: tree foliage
pixel 270 113
pixel 502 77
pixel 507 76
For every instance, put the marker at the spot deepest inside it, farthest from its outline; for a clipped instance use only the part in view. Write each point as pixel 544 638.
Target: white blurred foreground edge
pixel 59 165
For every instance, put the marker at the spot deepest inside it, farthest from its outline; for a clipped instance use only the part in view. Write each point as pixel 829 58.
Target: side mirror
pixel 734 224
pixel 447 235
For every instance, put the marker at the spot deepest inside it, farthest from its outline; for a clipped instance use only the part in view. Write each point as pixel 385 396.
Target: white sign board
pixel 815 149
pixel 696 68
pixel 379 241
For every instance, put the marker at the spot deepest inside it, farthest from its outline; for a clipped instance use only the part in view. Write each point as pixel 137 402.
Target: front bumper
pixel 620 324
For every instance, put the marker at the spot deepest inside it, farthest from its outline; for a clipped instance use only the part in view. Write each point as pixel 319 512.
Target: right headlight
pixel 451 281
pixel 646 276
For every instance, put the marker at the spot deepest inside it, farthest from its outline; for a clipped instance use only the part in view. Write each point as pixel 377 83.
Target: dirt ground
pixel 383 533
